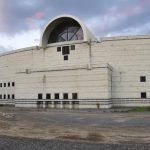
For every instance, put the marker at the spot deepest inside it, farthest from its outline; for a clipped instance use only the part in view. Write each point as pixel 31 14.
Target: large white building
pixel 72 69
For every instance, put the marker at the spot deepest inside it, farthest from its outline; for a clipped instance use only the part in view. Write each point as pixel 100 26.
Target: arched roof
pixel 58 20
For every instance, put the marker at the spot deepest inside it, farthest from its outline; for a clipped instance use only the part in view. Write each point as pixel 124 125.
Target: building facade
pixel 72 69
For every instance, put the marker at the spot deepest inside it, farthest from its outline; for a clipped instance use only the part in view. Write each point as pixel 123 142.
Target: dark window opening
pixel 65 96
pixel 68 30
pixel 4 96
pixel 143 95
pixel 8 96
pixel 40 96
pixel 75 102
pixel 1 84
pixel 143 79
pixel 66 102
pixel 74 96
pixel 13 83
pixel 72 47
pixel 65 57
pixel 48 96
pixel 8 84
pixel 57 102
pixel 57 96
pixel 58 49
pixel 13 96
pixel 4 84
pixel 65 50
pixel 0 96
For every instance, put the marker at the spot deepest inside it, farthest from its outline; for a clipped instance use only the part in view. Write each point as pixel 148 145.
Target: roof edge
pixel 19 50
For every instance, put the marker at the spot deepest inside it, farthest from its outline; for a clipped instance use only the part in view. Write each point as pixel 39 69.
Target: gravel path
pixel 9 143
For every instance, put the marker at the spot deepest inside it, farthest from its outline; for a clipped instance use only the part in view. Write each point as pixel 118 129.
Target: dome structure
pixel 65 28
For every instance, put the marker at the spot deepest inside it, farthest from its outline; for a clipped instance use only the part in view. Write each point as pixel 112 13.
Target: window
pixel 143 95
pixel 68 30
pixel 13 96
pixel 40 96
pixel 8 84
pixel 48 96
pixel 8 96
pixel 58 49
pixel 65 96
pixel 4 96
pixel 65 57
pixel 56 95
pixel 0 96
pixel 65 50
pixel 1 84
pixel 13 83
pixel 142 78
pixel 74 96
pixel 4 84
pixel 72 47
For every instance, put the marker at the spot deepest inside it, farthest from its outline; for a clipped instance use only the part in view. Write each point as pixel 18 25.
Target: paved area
pixel 8 143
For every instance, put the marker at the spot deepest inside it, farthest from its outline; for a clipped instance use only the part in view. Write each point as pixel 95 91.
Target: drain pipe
pixel 90 54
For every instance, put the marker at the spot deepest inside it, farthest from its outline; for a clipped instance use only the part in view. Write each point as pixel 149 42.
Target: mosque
pixel 71 69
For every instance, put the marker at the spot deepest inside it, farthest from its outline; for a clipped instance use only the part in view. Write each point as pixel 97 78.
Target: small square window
pixel 142 78
pixel 13 96
pixel 8 84
pixel 65 96
pixel 72 47
pixel 13 83
pixel 65 57
pixel 58 49
pixel 40 96
pixel 48 96
pixel 4 84
pixel 143 95
pixel 56 95
pixel 74 96
pixel 65 50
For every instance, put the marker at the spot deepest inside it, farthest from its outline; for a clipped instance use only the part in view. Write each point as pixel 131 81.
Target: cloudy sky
pixel 21 21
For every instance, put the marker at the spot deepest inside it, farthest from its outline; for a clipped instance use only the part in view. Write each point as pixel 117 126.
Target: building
pixel 72 69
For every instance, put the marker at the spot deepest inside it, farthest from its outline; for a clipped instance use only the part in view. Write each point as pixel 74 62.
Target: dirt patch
pixel 93 137
pixel 4 126
pixel 45 125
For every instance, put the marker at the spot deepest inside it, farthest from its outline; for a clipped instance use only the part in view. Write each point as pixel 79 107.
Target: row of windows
pixel 74 95
pixel 65 49
pixel 57 96
pixel 8 96
pixel 9 84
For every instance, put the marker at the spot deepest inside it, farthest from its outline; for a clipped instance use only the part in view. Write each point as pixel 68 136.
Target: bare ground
pixel 29 123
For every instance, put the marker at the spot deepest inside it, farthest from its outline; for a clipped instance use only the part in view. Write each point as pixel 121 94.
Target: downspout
pixel 90 54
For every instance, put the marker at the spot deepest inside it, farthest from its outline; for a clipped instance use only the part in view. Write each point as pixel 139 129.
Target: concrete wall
pixel 110 70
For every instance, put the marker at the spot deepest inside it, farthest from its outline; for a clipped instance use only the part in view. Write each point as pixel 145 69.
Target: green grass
pixel 140 109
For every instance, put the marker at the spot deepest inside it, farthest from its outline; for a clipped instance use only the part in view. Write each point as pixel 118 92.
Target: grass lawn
pixel 140 109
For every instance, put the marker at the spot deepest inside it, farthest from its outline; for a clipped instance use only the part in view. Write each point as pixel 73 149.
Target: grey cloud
pixel 20 15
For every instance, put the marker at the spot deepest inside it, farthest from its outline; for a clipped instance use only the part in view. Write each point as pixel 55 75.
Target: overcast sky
pixel 21 21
